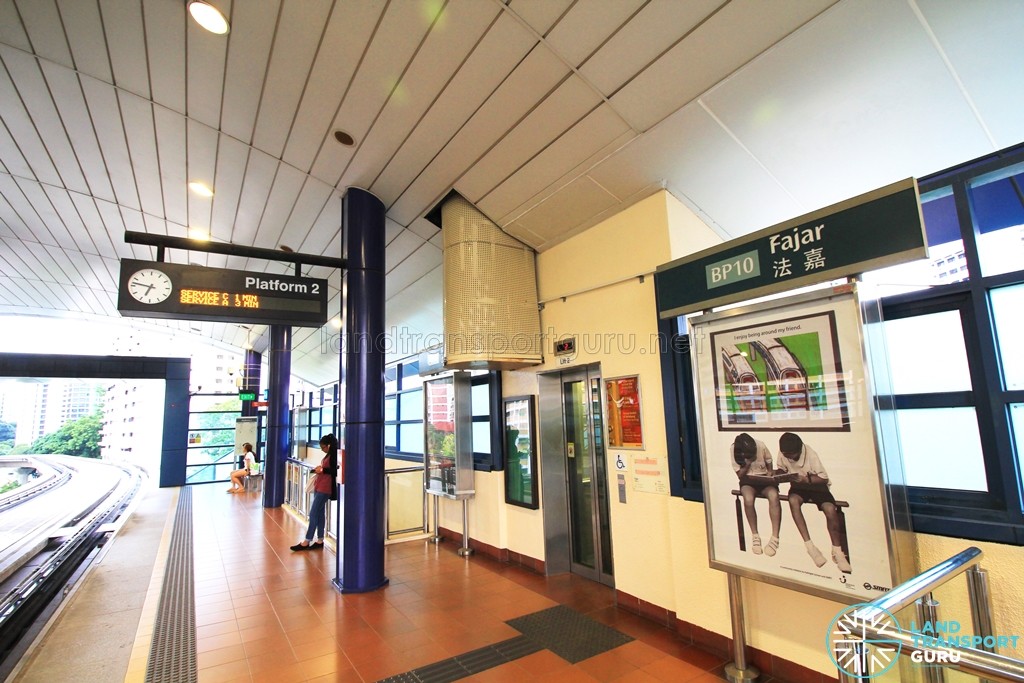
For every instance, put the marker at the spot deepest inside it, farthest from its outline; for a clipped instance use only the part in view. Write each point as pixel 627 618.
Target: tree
pixel 81 438
pixel 7 430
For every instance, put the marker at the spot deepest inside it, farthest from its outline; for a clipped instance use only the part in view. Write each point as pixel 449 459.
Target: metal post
pixel 738 670
pixel 981 607
pixel 928 614
pixel 436 538
pixel 465 550
pixel 387 500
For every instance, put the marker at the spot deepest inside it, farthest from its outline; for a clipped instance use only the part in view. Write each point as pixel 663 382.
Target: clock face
pixel 149 286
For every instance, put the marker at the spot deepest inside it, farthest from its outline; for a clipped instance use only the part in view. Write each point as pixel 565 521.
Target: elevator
pixel 574 474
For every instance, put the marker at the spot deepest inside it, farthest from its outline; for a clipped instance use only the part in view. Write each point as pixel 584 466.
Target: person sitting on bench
pixel 752 458
pixel 812 486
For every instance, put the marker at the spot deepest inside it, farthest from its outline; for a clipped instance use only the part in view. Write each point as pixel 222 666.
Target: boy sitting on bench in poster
pixel 811 486
pixel 752 463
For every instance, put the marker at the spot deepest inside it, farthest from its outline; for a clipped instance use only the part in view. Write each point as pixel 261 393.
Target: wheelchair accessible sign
pixel 860 653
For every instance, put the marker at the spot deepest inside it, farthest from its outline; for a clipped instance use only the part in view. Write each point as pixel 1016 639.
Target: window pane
pixel 390 408
pixel 1007 304
pixel 999 219
pixel 927 354
pixel 390 436
pixel 481 399
pixel 390 379
pixel 411 436
pixel 411 405
pixel 1017 425
pixel 945 262
pixel 942 449
pixel 410 375
pixel 481 437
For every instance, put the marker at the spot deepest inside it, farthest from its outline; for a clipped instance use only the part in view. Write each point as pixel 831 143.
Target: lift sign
pixel 734 269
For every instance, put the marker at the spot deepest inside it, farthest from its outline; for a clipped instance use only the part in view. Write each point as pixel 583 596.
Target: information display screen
pixel 166 290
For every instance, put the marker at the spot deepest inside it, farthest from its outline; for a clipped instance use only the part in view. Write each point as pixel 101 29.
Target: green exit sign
pixel 246 395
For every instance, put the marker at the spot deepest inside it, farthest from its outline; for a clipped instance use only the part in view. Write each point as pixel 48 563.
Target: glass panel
pixel 390 408
pixel 601 484
pixel 1007 303
pixel 411 437
pixel 480 397
pixel 411 405
pixel 1017 426
pixel 521 457
pixel 945 262
pixel 581 483
pixel 199 475
pixel 941 448
pixel 481 437
pixel 391 379
pixel 390 436
pixel 410 375
pixel 997 204
pixel 202 404
pixel 927 354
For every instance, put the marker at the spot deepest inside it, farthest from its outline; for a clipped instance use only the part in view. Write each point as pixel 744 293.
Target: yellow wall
pixel 659 542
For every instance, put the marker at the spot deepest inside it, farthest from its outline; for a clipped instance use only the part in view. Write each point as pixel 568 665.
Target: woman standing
pixel 323 491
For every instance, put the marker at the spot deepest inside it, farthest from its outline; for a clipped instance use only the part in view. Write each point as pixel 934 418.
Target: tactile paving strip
pixel 172 655
pixel 568 634
pixel 468 663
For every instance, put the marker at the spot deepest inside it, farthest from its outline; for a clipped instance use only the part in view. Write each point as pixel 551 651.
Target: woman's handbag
pixel 311 483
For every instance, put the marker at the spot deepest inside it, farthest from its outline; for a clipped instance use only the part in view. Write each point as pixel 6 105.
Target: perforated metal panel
pixel 491 318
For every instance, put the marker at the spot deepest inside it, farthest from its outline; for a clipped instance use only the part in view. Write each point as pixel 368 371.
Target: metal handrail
pixel 972 661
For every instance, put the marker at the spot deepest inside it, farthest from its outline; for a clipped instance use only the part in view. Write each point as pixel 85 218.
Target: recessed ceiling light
pixel 200 189
pixel 344 138
pixel 208 16
pixel 199 234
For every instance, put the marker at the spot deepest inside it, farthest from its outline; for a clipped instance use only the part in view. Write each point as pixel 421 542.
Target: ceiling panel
pixel 588 24
pixel 138 124
pixel 313 198
pixel 299 31
pixel 87 41
pixel 35 95
pixel 105 114
pixel 232 157
pixel 12 31
pixel 172 143
pixel 655 28
pixel 42 22
pixel 99 239
pixel 348 29
pixel 66 212
pixel 67 94
pixel 12 160
pixel 537 75
pixel 571 101
pixel 280 204
pixel 589 140
pixel 19 124
pixel 406 273
pixel 201 167
pixel 207 87
pixel 540 15
pixel 861 110
pixel 572 205
pixel 165 52
pixel 401 248
pixel 505 44
pixel 395 41
pixel 245 64
pixel 126 44
pixel 996 92
pixel 726 41
pixel 256 186
pixel 440 56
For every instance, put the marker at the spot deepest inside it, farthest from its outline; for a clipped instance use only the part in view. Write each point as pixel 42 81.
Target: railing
pixel 868 625
pixel 403 504
pixel 298 472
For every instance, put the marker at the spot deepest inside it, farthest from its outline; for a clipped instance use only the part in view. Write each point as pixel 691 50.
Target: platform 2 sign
pixel 877 229
pixel 149 289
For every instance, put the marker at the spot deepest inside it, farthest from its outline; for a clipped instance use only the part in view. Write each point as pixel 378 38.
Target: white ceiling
pixel 549 115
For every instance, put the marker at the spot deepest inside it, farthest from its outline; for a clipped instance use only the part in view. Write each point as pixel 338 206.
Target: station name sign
pixel 877 229
pixel 149 289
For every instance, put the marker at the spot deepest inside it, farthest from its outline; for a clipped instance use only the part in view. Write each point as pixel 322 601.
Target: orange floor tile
pixel 265 613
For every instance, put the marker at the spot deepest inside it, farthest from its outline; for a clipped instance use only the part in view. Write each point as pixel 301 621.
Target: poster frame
pixel 895 520
pixel 531 433
pixel 607 384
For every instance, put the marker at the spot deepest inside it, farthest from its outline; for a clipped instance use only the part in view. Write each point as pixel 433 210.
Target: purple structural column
pixel 362 556
pixel 278 424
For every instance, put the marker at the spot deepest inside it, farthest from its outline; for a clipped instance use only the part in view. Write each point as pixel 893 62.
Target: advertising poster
pixel 792 482
pixel 622 396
